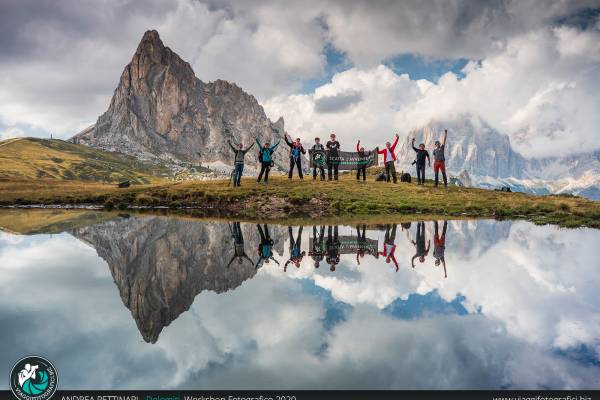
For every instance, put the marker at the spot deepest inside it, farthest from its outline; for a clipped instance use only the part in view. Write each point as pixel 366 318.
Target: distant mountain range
pixel 490 162
pixel 161 110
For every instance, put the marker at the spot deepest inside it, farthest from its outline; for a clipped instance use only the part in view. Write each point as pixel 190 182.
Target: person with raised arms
pixel 422 251
pixel 439 159
pixel 439 246
pixel 422 154
pixel 361 169
pixel 238 162
pixel 296 149
pixel 265 157
pixel 389 159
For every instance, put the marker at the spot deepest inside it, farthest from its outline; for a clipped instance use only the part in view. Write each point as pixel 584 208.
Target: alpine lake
pixel 171 301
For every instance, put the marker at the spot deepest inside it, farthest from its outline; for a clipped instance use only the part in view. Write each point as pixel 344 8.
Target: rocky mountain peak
pixel 160 109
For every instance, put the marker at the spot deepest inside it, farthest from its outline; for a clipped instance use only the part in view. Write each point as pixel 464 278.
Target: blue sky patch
pixel 418 305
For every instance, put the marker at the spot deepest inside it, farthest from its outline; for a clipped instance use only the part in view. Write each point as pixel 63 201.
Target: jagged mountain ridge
pixel 489 159
pixel 161 264
pixel 160 109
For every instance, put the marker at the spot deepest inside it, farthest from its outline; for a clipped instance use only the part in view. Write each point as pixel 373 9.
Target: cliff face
pixel 160 264
pixel 160 109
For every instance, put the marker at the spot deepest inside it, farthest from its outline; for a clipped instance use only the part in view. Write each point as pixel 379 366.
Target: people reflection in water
pixel 318 246
pixel 361 242
pixel 333 247
pixel 238 245
pixel 439 246
pixel 389 245
pixel 422 251
pixel 265 248
pixel 296 253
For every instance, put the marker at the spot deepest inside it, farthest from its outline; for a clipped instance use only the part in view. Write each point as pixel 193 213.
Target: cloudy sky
pixel 522 318
pixel 363 69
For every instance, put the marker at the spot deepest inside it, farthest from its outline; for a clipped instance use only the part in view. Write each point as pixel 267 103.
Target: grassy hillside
pixel 284 199
pixel 31 158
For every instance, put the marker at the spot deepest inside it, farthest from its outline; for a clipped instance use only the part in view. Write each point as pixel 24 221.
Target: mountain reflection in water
pixel 456 304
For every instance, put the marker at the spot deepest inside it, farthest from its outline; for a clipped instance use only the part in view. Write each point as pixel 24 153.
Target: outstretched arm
pixel 395 142
pixel 395 262
pixel 287 141
pixel 413 145
pixel 276 144
pixel 249 147
pixel 445 136
pixel 230 145
pixel 412 261
pixel 428 159
pixel 258 142
pixel 358 146
pixel 273 258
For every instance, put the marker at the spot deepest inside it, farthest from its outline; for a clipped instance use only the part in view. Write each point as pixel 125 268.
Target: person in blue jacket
pixel 265 156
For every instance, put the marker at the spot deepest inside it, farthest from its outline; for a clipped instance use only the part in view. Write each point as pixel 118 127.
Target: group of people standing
pixel 332 148
pixel 326 246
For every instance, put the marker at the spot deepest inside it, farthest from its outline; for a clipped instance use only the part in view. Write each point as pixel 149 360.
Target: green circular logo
pixel 319 158
pixel 33 378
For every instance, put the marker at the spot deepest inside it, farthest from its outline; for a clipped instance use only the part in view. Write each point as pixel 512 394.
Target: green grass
pixel 32 158
pixel 297 200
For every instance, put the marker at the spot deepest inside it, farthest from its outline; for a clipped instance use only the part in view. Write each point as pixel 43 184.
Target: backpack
pixel 405 177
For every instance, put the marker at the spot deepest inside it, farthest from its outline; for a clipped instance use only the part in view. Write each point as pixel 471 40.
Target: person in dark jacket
pixel 361 242
pixel 296 151
pixel 318 147
pixel 333 154
pixel 332 245
pixel 362 169
pixel 238 162
pixel 422 154
pixel 422 251
pixel 265 156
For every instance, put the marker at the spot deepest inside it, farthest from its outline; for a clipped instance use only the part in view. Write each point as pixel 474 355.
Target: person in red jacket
pixel 389 245
pixel 389 158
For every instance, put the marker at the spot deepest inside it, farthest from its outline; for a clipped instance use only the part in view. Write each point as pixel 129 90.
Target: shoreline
pixel 287 200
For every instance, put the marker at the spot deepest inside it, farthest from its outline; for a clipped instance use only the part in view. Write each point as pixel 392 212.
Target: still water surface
pixel 163 302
